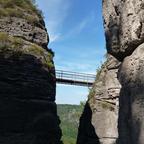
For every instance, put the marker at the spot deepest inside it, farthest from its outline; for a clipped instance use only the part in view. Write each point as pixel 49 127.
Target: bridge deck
pixel 74 78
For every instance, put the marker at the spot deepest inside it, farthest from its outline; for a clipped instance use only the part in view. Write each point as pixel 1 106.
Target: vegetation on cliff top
pixel 14 46
pixel 20 8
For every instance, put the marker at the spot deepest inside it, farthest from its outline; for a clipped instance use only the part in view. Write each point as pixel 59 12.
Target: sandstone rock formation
pixel 123 21
pixel 27 77
pixel 124 26
pixel 103 104
pixel 124 31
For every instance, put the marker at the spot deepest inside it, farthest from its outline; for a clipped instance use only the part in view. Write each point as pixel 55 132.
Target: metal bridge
pixel 74 78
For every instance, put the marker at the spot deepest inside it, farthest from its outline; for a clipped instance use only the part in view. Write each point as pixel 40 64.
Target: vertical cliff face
pixel 123 21
pixel 27 77
pixel 99 125
pixel 104 102
pixel 124 26
pixel 124 31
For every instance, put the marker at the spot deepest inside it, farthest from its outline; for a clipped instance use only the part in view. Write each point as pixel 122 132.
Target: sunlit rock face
pixel 20 27
pixel 98 123
pixel 28 112
pixel 105 103
pixel 124 28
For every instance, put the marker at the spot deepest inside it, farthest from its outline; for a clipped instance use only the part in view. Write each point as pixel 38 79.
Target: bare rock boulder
pixel 124 26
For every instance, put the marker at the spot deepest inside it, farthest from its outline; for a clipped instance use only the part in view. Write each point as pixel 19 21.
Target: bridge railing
pixel 75 77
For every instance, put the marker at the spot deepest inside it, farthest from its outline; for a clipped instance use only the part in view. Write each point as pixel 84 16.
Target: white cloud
pixel 84 23
pixel 55 37
pixel 55 12
pixel 81 25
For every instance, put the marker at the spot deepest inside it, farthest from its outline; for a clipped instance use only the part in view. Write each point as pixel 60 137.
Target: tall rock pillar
pixel 98 123
pixel 124 30
pixel 28 112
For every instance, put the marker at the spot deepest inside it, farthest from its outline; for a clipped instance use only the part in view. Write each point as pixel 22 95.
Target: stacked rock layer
pixel 28 112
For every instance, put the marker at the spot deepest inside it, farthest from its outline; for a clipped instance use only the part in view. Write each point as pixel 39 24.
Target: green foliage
pixel 98 71
pixel 38 51
pixel 106 55
pixel 9 47
pixel 69 115
pixel 106 105
pixel 97 80
pixel 4 37
pixel 9 44
pixel 25 4
pixel 20 8
pixel 82 104
pixel 91 93
pixel 31 19
pixel 13 46
pixel 11 12
pixel 68 140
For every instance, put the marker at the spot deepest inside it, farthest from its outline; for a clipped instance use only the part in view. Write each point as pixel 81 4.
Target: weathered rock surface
pixel 19 27
pixel 124 26
pixel 131 115
pixel 103 102
pixel 28 112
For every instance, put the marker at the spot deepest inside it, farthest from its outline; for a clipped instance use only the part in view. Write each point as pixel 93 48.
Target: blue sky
pixel 76 36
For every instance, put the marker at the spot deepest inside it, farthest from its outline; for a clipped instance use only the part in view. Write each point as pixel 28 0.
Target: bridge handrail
pixel 76 79
pixel 76 73
pixel 75 76
pixel 70 75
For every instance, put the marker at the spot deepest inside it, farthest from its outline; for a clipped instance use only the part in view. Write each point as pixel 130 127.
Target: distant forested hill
pixel 69 116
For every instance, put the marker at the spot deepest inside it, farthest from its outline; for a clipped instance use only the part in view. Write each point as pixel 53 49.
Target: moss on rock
pixel 14 46
pixel 20 8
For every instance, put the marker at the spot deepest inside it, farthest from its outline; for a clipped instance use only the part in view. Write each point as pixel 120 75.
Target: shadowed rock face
pixel 28 112
pixel 131 113
pixel 124 26
pixel 103 105
pixel 86 133
pixel 25 77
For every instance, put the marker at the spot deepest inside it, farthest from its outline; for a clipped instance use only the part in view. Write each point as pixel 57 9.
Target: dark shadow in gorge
pixel 86 132
pixel 27 102
pixel 129 125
